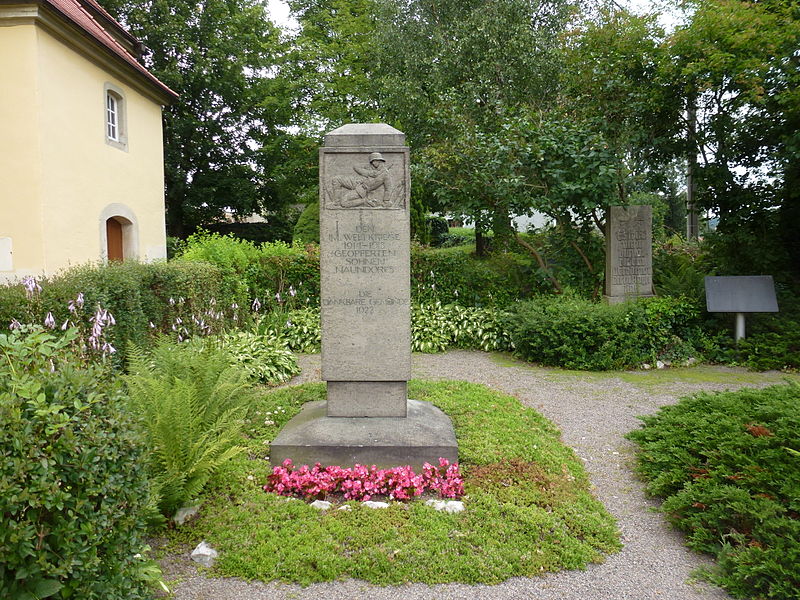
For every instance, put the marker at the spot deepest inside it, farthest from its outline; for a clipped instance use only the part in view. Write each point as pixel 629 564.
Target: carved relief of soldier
pixel 371 187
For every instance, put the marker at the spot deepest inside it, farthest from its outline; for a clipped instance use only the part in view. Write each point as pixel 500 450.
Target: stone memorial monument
pixel 365 305
pixel 629 253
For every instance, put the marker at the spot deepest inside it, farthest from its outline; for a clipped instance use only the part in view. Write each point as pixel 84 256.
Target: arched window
pixel 116 124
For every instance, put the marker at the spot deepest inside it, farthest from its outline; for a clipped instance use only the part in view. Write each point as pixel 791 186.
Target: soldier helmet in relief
pixel 376 156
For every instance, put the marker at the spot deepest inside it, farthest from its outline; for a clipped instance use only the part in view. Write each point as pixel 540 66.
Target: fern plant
pixel 192 403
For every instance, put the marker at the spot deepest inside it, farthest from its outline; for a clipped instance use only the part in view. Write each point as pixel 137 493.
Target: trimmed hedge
pixel 455 275
pixel 728 468
pixel 73 493
pixel 574 333
pixel 267 272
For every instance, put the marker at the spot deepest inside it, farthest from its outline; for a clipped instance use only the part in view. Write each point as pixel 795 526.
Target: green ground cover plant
pixel 73 492
pixel 437 327
pixel 728 468
pixel 528 505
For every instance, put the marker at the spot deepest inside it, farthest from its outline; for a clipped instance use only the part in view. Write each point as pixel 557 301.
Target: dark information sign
pixel 744 294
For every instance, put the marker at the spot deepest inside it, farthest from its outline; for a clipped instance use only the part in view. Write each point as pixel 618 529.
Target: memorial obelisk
pixel 365 306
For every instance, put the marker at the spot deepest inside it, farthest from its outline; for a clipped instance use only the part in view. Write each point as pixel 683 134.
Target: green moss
pixel 727 467
pixel 529 509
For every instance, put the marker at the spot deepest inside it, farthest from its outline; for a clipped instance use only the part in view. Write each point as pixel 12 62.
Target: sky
pixel 279 11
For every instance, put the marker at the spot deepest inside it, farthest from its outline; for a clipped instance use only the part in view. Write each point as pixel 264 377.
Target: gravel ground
pixel 594 412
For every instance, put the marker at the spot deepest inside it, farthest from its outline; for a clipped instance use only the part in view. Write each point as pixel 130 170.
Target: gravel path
pixel 593 412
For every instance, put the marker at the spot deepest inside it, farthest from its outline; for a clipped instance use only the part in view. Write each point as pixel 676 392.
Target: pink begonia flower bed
pixel 362 482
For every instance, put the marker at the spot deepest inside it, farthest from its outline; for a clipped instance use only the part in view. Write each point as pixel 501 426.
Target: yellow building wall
pixel 63 179
pixel 21 250
pixel 82 175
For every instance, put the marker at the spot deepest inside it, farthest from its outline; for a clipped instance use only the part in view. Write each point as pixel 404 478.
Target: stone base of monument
pixel 424 435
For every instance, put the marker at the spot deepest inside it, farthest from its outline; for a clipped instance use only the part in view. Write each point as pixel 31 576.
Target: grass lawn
pixel 528 506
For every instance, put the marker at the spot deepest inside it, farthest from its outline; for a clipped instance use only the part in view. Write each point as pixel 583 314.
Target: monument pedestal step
pixel 425 435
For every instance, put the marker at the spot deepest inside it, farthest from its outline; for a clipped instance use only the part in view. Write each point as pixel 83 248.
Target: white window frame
pixel 112 124
pixel 115 122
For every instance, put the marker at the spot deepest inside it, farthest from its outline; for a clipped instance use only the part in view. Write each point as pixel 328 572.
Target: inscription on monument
pixel 629 251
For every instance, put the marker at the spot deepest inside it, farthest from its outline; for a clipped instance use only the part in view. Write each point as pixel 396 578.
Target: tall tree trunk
pixel 480 241
pixel 502 227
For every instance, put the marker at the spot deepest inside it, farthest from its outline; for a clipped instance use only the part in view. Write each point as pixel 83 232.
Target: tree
pixel 452 72
pixel 331 64
pixel 224 136
pixel 615 86
pixel 536 161
pixel 740 60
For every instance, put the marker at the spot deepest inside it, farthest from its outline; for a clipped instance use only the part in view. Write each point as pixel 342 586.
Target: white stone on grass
pixel 185 513
pixel 204 554
pixel 371 504
pixel 345 507
pixel 320 504
pixel 448 506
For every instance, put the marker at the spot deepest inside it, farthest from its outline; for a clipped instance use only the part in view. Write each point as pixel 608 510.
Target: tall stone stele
pixel 629 253
pixel 365 304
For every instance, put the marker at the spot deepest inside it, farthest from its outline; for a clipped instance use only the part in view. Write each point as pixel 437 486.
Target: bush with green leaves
pixel 73 491
pixel 265 359
pixel 306 230
pixel 144 299
pixel 455 275
pixel 679 269
pixel 570 332
pixel 299 330
pixel 728 468
pixel 436 327
pixel 268 272
pixel 192 401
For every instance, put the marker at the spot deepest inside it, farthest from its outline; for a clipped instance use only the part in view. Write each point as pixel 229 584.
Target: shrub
pixel 573 333
pixel 728 467
pixel 73 493
pixel 306 230
pixel 143 298
pixel 266 272
pixel 435 327
pixel 264 359
pixel 566 251
pixel 454 275
pixel 191 401
pixel 679 270
pixel 299 330
pixel 438 230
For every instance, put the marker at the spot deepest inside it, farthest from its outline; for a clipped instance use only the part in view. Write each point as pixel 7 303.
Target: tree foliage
pixel 223 137
pixel 740 61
